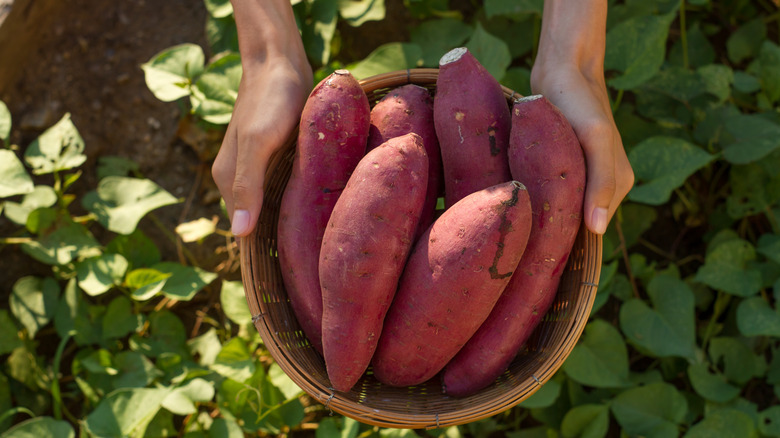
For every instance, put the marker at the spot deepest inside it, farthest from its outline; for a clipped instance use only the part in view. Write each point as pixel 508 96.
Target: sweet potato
pixel 473 120
pixel 331 141
pixel 545 154
pixel 364 250
pixel 455 274
pixel 405 109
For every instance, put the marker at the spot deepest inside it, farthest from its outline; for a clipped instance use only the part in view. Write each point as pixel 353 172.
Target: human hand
pixel 268 107
pixel 585 103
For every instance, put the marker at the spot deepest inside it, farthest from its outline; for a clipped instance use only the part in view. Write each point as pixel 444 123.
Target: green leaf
pixel 120 320
pixel 283 382
pixel 5 124
pixel 662 164
pixel 170 73
pixel 652 410
pixel 125 412
pixel 58 148
pixel 197 230
pixel 388 57
pixel 700 50
pixel 222 34
pixel 544 397
pixel 75 316
pixel 755 137
pixel 636 48
pixel 33 302
pixel 357 12
pixel 724 423
pixel 769 421
pixel 769 246
pixel 745 42
pixel 14 179
pixel 38 197
pixel 120 202
pixel 183 282
pixel 678 83
pixel 166 335
pixel 754 188
pixel 225 428
pixel 234 304
pixel 740 364
pixel 9 333
pixel 320 28
pixel 145 283
pixel 600 359
pixel 207 346
pixel 711 386
pixel 181 401
pixel 138 249
pixel 756 318
pixel 134 370
pixel 668 329
pixel 437 37
pixel 510 8
pixel 727 268
pixel 214 94
pixel 770 70
pixel 97 275
pixel 41 427
pixel 586 421
pixel 116 166
pixel 234 361
pixel 717 80
pixel 518 79
pixel 491 51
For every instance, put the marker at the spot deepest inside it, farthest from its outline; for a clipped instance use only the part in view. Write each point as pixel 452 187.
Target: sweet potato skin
pixel 405 109
pixel 473 120
pixel 331 141
pixel 364 250
pixel 546 155
pixel 453 277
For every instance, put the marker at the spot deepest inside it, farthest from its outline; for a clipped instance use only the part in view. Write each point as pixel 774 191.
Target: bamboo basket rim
pixel 414 407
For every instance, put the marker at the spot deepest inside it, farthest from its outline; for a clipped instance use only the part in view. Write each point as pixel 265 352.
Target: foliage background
pixel 683 338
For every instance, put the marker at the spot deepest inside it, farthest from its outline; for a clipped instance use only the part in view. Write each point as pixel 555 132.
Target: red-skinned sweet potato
pixel 364 250
pixel 455 274
pixel 405 109
pixel 473 120
pixel 331 141
pixel 545 154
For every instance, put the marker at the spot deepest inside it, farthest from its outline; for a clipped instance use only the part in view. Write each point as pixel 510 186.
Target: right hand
pixel 270 99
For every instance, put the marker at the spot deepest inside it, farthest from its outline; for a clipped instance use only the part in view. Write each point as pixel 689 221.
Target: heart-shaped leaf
pixel 710 385
pixel 655 409
pixel 234 361
pixel 727 268
pixel 97 275
pixel 586 421
pixel 41 427
pixel 120 320
pixel 233 300
pixel 33 302
pixel 120 202
pixel 668 329
pixel 183 282
pixel 9 333
pixel 770 69
pixel 214 93
pixel 491 51
pixel 755 137
pixel 14 179
pixel 39 197
pixel 319 29
pixel 636 48
pixel 357 12
pixel 756 318
pixel 58 148
pixel 125 411
pixel 740 363
pixel 437 37
pixel 181 401
pixel 723 422
pixel 662 164
pixel 600 359
pixel 745 42
pixel 170 73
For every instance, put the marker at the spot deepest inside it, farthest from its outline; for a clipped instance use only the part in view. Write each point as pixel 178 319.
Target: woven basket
pixel 422 406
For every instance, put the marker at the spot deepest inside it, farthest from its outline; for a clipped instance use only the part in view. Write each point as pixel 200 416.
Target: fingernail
pixel 599 220
pixel 240 222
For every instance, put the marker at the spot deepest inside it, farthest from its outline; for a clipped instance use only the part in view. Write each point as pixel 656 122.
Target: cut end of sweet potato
pixel 528 98
pixel 453 55
pixel 342 72
pixel 519 185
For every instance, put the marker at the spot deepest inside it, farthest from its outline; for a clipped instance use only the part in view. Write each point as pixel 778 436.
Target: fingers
pixel 251 163
pixel 598 144
pixel 223 170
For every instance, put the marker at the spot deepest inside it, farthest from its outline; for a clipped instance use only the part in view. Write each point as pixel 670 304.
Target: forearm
pixel 573 35
pixel 267 32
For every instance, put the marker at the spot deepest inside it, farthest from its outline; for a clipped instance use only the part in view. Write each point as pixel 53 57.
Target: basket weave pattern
pixel 421 406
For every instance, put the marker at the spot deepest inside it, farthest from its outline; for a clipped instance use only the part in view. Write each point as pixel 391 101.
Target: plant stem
pixel 55 382
pixel 618 100
pixel 15 240
pixel 626 258
pixel 13 411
